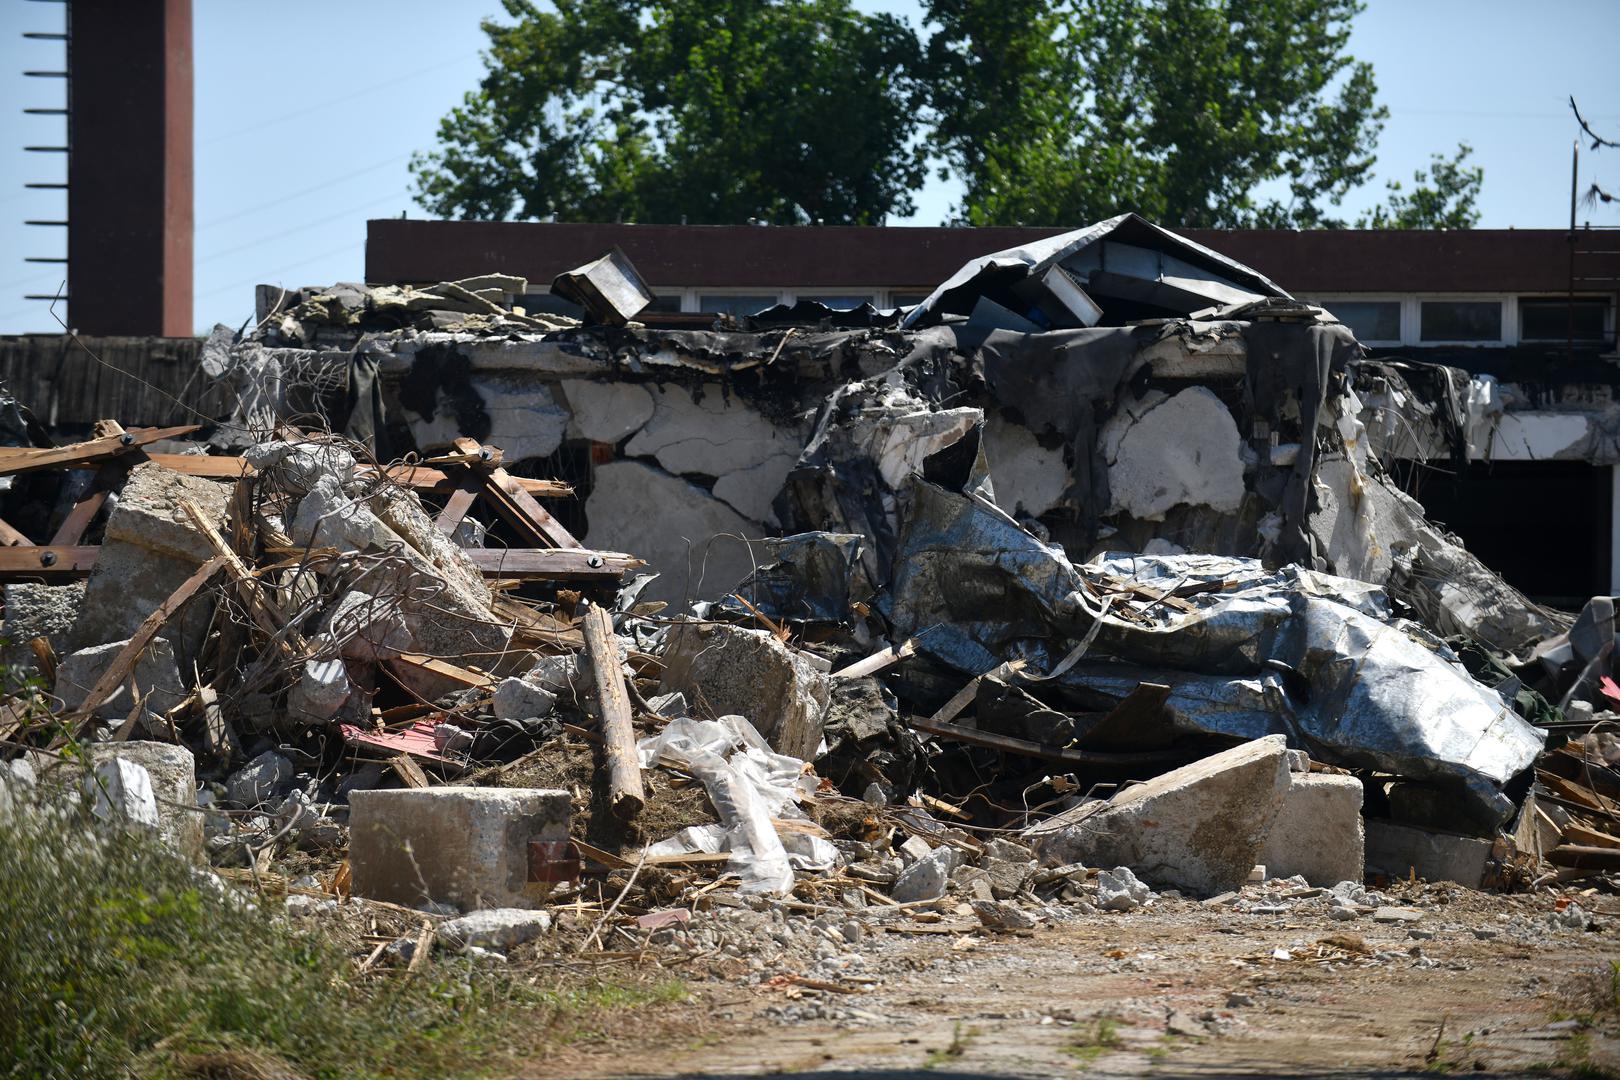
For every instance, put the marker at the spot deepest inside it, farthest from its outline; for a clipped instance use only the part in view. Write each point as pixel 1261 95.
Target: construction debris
pixel 1086 580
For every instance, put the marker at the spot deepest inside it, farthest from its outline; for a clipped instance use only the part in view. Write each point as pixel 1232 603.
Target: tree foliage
pixel 1214 113
pixel 1443 197
pixel 709 111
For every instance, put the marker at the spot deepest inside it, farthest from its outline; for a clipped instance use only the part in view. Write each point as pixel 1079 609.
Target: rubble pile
pixel 1079 585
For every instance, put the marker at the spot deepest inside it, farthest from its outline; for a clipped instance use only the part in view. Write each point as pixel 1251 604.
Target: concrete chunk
pixel 121 790
pixel 733 670
pixel 150 547
pixel 1318 834
pixel 926 878
pixel 260 779
pixel 1199 828
pixel 452 845
pixel 171 781
pixel 156 676
pixel 523 698
pixel 497 928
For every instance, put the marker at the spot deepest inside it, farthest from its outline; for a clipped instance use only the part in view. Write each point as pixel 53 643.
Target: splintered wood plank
pixel 417 477
pixel 109 476
pixel 15 459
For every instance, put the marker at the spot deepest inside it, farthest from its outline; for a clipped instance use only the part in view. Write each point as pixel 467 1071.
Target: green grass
pixel 951 1050
pixel 117 958
pixel 1095 1041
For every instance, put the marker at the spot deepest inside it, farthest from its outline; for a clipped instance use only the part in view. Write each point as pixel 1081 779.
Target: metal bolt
pixel 47 558
pixel 594 562
pixel 127 439
pixel 484 454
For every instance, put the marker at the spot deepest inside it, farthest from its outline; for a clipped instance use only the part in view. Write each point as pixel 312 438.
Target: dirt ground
pixel 1180 989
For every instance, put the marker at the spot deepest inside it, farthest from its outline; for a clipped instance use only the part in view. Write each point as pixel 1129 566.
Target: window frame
pixel 1505 302
pixel 1606 299
pixel 1369 298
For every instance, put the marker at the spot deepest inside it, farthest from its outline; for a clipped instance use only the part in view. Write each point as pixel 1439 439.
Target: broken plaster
pixel 1164 452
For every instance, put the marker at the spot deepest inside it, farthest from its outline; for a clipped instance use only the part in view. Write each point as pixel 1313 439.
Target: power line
pixel 290 196
pixel 411 76
pixel 340 215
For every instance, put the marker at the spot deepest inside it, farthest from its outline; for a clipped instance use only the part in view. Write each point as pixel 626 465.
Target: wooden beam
pixel 46 562
pixel 261 607
pixel 460 502
pixel 417 477
pixel 552 564
pixel 516 505
pixel 109 476
pixel 21 459
pixel 1024 748
pixel 626 796
pixel 467 677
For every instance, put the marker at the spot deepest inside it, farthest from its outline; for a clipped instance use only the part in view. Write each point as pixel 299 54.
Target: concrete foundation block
pixel 465 846
pixel 1198 828
pixel 171 772
pixel 1318 833
pixel 1401 850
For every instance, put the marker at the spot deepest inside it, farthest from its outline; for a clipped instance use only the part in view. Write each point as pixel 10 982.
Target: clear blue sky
pixel 307 113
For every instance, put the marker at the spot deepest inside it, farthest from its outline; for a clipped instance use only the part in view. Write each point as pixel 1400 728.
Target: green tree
pixel 1183 110
pixel 1444 197
pixel 709 111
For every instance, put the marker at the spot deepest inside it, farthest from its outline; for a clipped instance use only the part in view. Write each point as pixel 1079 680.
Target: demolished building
pixel 1107 503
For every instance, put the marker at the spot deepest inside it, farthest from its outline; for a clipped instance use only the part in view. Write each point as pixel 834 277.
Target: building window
pixel 908 299
pixel 1557 320
pixel 668 303
pixel 838 302
pixel 721 304
pixel 1460 320
pixel 1369 320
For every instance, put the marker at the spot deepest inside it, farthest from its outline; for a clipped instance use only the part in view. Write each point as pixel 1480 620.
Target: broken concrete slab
pixel 34 610
pixel 1318 833
pixel 171 779
pixel 698 545
pixel 1165 451
pixel 368 627
pixel 736 670
pixel 1399 851
pixel 149 548
pixel 156 677
pixel 451 845
pixel 322 688
pixel 1199 828
pixel 523 698
pixel 606 412
pixel 926 878
pixel 524 417
pixel 709 433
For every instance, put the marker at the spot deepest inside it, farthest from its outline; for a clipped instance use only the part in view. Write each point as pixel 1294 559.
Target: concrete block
pixel 465 846
pixel 498 928
pixel 734 670
pixel 1198 828
pixel 171 774
pixel 121 790
pixel 1400 850
pixel 523 698
pixel 607 412
pixel 1318 833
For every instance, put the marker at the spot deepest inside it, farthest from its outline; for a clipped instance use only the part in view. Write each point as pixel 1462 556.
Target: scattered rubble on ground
pixel 1185 627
